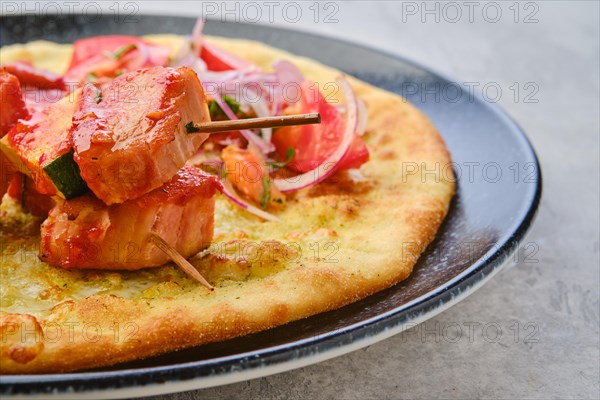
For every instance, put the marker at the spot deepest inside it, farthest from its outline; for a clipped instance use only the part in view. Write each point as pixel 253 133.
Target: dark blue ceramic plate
pixel 499 188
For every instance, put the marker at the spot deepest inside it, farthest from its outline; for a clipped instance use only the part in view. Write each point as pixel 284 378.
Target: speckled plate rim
pixel 139 382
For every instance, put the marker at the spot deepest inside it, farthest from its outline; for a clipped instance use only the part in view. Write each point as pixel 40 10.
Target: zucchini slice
pixel 65 175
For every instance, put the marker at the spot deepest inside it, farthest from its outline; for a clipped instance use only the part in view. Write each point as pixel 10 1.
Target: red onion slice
pixel 287 74
pixel 189 53
pixel 196 39
pixel 238 79
pixel 362 118
pixel 230 60
pixel 329 165
pixel 250 136
pixel 259 104
pixel 225 187
pixel 185 57
pixel 142 57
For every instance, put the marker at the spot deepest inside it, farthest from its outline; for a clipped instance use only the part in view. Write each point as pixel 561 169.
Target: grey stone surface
pixel 552 295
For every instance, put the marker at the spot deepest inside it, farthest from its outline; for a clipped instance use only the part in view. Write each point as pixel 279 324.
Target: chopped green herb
pixel 92 76
pixel 98 96
pixel 214 110
pixel 289 154
pixel 266 194
pixel 217 114
pixel 234 105
pixel 121 51
pixel 191 128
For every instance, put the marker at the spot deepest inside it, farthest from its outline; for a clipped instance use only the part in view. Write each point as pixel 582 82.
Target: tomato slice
pixel 314 143
pixel 30 76
pixel 89 55
pixel 85 49
pixel 90 47
pixel 248 171
pixel 217 59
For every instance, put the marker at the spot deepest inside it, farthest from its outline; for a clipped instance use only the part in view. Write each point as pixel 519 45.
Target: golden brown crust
pixel 368 234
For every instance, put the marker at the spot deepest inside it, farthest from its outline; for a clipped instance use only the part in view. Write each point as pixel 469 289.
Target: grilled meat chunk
pixel 133 138
pixel 86 233
pixel 13 109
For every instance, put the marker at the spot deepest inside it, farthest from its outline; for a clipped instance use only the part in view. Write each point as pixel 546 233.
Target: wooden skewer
pixel 224 126
pixel 255 123
pixel 178 259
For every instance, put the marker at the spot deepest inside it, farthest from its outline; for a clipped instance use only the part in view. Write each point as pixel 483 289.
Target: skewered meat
pixel 13 105
pixel 42 139
pixel 13 109
pixel 133 138
pixel 86 233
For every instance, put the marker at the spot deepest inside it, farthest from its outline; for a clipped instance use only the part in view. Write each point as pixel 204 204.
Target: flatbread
pixel 342 240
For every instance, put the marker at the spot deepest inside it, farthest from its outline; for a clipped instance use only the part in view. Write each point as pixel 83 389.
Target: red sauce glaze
pixel 13 106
